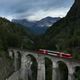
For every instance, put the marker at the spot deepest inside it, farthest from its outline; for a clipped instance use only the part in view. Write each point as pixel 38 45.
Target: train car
pixel 48 52
pixel 54 53
pixel 64 55
pixel 42 51
pixel 60 54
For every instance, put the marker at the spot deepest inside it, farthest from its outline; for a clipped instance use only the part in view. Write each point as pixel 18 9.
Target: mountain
pixel 37 27
pixel 14 35
pixel 41 26
pixel 46 22
pixel 64 35
pixel 24 22
pixel 74 12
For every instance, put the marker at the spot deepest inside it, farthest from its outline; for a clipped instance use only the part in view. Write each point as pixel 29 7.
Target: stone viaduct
pixel 23 61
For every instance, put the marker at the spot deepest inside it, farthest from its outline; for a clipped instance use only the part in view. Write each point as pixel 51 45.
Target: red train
pixel 54 53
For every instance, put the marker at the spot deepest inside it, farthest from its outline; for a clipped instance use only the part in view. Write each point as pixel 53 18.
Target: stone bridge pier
pixel 34 66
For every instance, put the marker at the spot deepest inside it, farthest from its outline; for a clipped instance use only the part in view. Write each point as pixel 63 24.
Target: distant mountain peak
pixel 48 17
pixel 38 27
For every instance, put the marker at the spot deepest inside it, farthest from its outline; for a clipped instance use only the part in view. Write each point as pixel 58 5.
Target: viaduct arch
pixel 34 66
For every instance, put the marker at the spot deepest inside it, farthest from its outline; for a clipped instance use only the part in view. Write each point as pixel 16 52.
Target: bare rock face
pixel 74 12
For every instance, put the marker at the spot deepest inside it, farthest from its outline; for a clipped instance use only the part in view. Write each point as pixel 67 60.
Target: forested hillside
pixel 14 35
pixel 65 34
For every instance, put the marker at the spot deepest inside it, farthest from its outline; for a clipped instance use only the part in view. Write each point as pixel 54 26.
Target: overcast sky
pixel 34 9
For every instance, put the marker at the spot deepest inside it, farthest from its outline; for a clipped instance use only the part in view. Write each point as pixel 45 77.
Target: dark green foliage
pixel 19 61
pixel 13 35
pixel 63 71
pixel 77 73
pixel 34 68
pixel 48 69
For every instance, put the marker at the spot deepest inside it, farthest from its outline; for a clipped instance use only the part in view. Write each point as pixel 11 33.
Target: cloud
pixel 44 13
pixel 31 8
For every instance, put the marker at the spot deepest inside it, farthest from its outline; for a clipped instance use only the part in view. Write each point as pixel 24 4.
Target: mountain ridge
pixel 38 27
